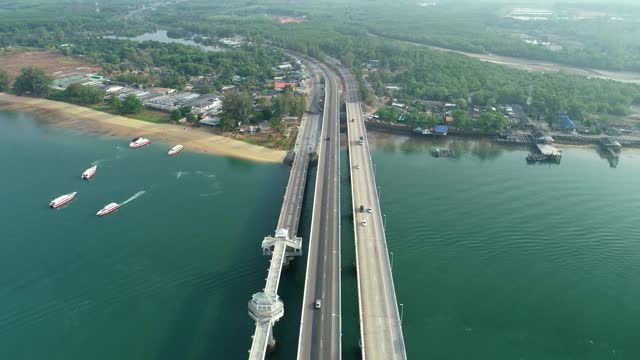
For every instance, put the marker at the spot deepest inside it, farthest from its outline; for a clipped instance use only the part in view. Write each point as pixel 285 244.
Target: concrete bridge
pixel 380 325
pixel 265 307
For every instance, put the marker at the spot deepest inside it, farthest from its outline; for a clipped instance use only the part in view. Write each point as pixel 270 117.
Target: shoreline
pixel 65 115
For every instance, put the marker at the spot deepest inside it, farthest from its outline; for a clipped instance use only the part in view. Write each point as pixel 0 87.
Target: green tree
pixel 237 105
pixel 278 126
pixel 191 118
pixel 267 114
pixel 204 89
pixel 227 123
pixel 388 113
pixel 114 103
pixel 176 115
pixel 83 95
pixel 492 120
pixel 4 80
pixel 131 104
pixel 461 119
pixel 32 81
pixel 462 104
pixel 185 109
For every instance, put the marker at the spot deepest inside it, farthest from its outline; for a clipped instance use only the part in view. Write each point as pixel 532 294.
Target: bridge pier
pixel 271 341
pixel 294 246
pixel 266 309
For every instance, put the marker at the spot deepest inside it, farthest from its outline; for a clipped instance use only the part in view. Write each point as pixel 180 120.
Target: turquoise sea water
pixel 497 259
pixel 493 258
pixel 167 276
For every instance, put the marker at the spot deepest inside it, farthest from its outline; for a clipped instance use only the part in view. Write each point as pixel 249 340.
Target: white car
pixel 357 166
pixel 364 222
pixel 369 210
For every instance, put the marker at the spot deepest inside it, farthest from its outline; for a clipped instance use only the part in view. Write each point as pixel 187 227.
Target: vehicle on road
pixel 361 208
pixel 357 166
pixel 369 210
pixel 318 303
pixel 364 222
pixel 328 138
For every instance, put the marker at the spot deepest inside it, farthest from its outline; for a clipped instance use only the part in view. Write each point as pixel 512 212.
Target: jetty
pixel 545 152
pixel 612 149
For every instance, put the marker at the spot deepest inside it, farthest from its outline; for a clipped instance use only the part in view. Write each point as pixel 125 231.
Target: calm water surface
pixel 497 259
pixel 167 276
pixel 161 36
pixel 493 258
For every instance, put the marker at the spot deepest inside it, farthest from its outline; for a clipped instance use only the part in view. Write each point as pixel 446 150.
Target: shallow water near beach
pixel 167 276
pixel 498 259
pixel 493 258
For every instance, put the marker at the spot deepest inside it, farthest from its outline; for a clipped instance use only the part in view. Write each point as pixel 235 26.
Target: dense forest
pixel 433 75
pixel 421 73
pixel 172 64
pixel 607 41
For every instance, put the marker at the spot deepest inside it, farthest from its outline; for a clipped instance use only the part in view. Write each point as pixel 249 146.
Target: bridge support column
pixel 271 342
pixel 294 246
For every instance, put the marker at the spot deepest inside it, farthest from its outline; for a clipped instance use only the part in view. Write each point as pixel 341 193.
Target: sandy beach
pixel 65 115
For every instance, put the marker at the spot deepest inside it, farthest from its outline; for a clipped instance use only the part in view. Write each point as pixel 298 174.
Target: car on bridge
pixel 364 222
pixel 318 303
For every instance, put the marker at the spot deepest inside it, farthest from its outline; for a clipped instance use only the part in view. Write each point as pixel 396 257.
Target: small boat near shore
pixel 442 153
pixel 108 209
pixel 62 200
pixel 139 142
pixel 89 173
pixel 533 158
pixel 175 150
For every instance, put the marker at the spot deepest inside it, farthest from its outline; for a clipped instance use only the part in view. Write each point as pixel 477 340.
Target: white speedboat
pixel 62 200
pixel 88 174
pixel 176 149
pixel 139 142
pixel 108 209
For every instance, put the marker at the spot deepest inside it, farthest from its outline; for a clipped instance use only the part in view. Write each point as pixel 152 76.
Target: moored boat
pixel 536 158
pixel 88 174
pixel 108 209
pixel 442 153
pixel 176 149
pixel 139 142
pixel 62 200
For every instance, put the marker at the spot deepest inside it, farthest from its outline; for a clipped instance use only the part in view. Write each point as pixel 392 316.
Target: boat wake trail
pixel 137 195
pixel 179 174
pixel 205 174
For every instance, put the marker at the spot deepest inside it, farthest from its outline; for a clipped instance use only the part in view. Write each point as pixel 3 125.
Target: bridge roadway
pixel 380 327
pixel 267 302
pixel 320 329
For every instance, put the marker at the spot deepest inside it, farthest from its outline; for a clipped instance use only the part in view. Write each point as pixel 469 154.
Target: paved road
pixel 320 329
pixel 292 203
pixel 380 327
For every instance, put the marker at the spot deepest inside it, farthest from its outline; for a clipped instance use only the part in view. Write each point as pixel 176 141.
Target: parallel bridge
pixel 265 307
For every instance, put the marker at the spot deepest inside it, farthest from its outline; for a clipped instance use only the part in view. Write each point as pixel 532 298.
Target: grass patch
pixel 265 141
pixel 144 115
pixel 150 116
